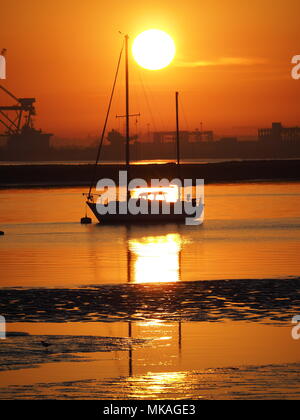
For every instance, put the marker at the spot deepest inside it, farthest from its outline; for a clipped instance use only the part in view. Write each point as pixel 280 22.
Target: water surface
pixel 151 311
pixel 251 230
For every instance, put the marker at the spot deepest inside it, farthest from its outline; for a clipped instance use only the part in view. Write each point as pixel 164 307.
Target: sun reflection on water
pixel 157 384
pixel 156 258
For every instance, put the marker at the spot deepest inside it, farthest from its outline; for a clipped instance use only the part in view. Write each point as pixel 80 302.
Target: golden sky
pixel 232 67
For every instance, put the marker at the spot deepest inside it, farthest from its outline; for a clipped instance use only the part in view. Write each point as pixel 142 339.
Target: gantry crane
pixel 25 110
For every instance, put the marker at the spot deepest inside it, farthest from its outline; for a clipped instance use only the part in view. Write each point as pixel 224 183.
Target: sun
pixel 153 49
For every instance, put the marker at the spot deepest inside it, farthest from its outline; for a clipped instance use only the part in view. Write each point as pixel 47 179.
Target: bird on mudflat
pixel 45 344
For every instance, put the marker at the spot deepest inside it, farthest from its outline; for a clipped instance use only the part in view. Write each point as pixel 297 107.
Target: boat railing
pixel 90 197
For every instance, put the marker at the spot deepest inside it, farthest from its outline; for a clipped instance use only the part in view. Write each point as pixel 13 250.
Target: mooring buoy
pixel 85 220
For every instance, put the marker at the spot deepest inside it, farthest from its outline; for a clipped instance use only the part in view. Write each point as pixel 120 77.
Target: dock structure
pixel 197 136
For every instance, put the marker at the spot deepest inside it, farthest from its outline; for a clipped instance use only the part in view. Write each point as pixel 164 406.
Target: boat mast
pixel 127 103
pixel 127 114
pixel 177 137
pixel 177 130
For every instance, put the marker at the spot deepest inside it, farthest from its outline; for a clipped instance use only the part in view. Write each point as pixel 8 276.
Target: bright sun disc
pixel 153 49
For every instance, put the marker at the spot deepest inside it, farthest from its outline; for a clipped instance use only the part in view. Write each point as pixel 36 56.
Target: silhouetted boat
pixel 152 200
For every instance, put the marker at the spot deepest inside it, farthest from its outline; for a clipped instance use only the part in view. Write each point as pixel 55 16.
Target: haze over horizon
pixel 232 67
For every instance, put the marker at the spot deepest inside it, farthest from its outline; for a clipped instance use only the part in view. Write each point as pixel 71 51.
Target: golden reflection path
pixel 156 258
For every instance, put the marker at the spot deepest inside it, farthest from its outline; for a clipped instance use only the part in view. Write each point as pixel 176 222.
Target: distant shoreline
pixel 72 175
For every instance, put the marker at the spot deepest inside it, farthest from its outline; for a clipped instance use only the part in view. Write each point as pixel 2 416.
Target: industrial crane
pixel 24 109
pixel 23 141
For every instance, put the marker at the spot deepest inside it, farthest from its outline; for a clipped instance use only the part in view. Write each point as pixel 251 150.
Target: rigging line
pixel 184 115
pixel 147 100
pixel 105 123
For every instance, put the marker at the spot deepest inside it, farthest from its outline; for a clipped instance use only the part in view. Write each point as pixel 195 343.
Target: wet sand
pixel 251 383
pixel 222 360
pixel 265 300
pixel 192 340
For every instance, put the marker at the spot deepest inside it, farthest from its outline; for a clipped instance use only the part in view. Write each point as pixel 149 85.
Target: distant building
pixel 161 137
pixel 279 134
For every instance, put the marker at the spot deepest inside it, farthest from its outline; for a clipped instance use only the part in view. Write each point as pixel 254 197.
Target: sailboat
pixel 160 204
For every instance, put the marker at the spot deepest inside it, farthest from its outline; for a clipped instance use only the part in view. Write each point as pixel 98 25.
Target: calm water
pixel 151 312
pixel 250 231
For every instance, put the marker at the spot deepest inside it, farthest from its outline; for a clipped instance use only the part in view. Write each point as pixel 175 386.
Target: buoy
pixel 1 232
pixel 45 344
pixel 85 220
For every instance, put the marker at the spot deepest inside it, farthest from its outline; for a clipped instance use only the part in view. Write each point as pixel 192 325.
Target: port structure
pixel 24 109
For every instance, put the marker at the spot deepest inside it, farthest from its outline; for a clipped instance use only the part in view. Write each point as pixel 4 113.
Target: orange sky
pixel 64 53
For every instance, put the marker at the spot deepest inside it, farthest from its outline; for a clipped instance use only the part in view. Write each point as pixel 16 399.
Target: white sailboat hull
pixel 159 217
